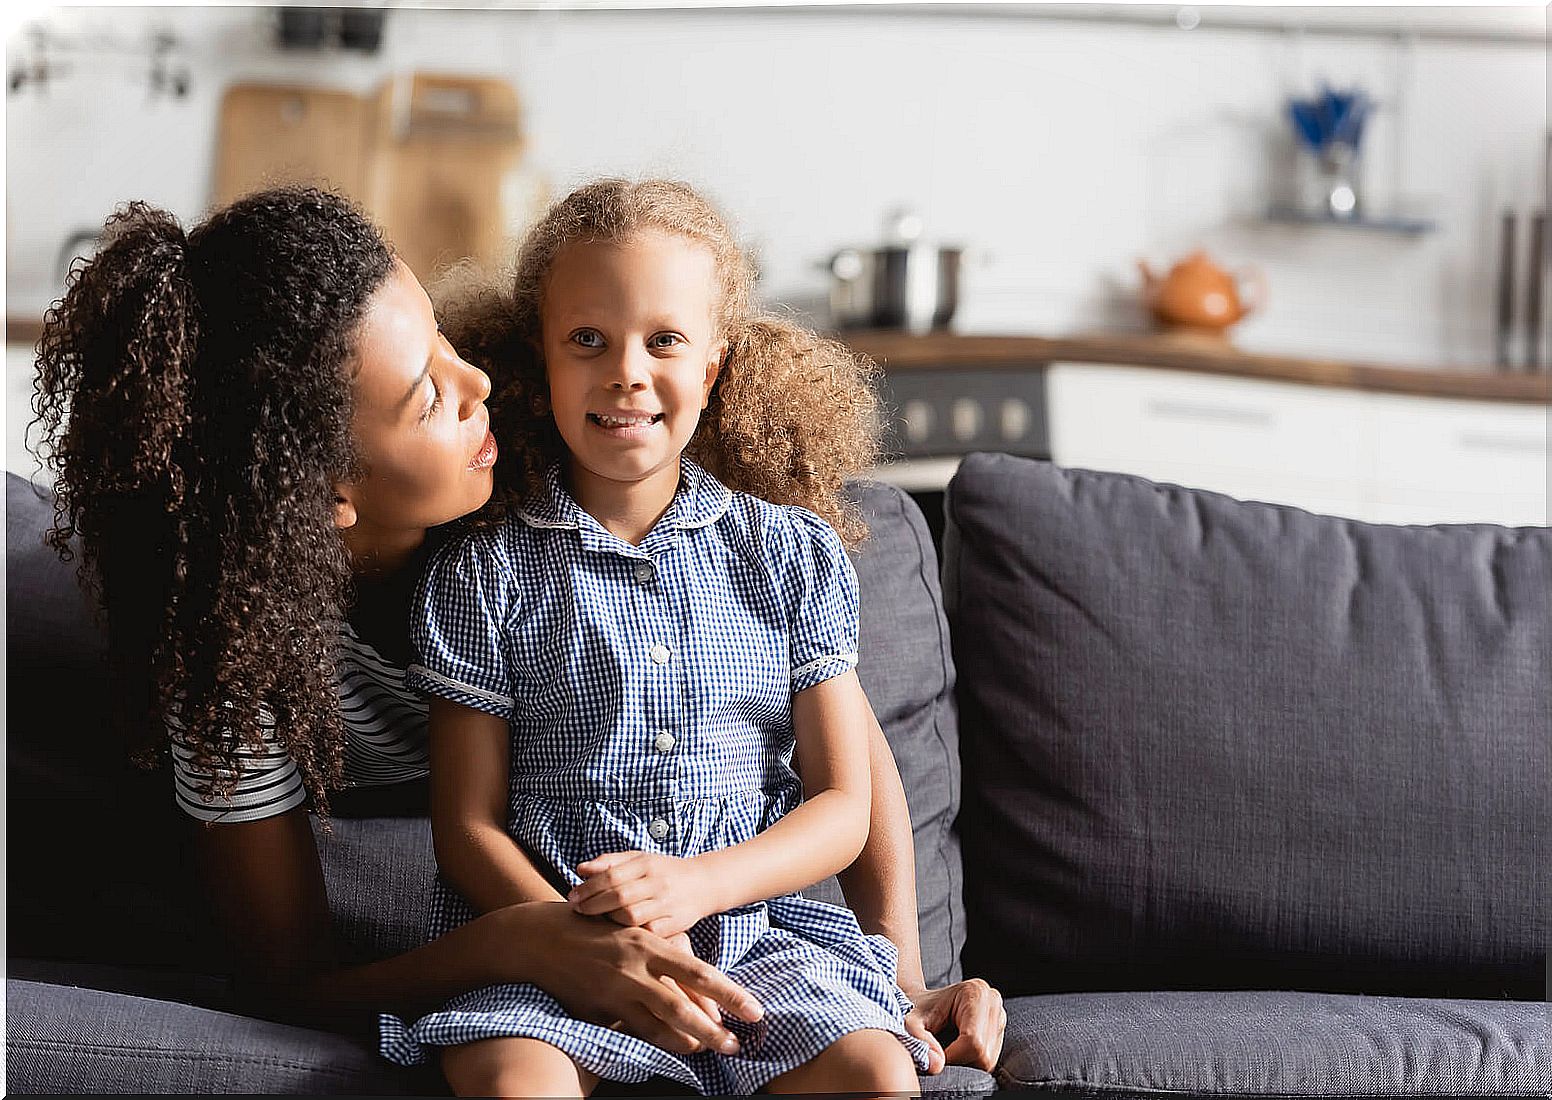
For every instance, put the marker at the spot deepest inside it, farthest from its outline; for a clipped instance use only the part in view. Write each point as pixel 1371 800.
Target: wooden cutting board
pixel 291 133
pixel 444 148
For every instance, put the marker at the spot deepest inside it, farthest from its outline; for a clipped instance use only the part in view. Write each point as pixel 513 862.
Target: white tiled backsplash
pixel 1060 151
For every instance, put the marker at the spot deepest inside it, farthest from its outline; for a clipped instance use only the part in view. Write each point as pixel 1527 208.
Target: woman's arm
pixel 469 763
pixel 268 893
pixel 880 886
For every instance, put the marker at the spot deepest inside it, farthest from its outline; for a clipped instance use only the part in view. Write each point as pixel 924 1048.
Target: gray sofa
pixel 1254 802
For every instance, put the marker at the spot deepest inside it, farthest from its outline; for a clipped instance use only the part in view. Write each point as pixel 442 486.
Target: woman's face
pixel 420 426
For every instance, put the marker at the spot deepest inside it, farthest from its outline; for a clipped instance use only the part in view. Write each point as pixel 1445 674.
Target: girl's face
pixel 420 426
pixel 631 349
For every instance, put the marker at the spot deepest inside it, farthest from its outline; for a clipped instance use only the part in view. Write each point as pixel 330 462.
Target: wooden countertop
pixel 902 351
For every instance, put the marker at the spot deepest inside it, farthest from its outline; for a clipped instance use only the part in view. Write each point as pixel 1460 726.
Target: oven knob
pixel 965 418
pixel 1015 418
pixel 917 415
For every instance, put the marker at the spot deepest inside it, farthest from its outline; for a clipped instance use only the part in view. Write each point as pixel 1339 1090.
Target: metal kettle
pixel 907 283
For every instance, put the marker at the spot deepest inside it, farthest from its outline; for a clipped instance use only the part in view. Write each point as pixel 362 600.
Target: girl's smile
pixel 625 424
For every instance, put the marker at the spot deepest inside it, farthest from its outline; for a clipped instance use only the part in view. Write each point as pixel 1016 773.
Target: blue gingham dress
pixel 649 690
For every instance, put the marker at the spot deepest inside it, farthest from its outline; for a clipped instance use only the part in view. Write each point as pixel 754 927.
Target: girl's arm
pixel 823 834
pixel 469 763
pixel 268 894
pixel 667 894
pixel 827 830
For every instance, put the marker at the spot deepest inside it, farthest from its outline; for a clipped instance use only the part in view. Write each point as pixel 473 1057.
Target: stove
pixel 937 415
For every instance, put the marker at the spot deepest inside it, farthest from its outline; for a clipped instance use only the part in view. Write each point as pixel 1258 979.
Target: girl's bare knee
pixel 517 1067
pixel 871 1060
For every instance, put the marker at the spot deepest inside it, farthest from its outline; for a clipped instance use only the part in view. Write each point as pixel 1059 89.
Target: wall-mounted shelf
pixel 1404 224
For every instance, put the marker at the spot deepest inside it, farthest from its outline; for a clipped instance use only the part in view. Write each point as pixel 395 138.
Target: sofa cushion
pixel 379 872
pixel 63 1040
pixel 1215 744
pixel 96 860
pixel 68 1037
pixel 1276 1044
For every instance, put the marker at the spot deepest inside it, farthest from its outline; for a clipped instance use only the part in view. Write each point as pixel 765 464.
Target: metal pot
pixel 915 287
pixel 907 284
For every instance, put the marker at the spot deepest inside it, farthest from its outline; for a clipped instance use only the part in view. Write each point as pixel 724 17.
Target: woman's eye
pixel 436 400
pixel 587 338
pixel 665 339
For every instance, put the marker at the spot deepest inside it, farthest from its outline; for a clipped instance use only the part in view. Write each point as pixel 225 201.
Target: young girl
pixel 642 678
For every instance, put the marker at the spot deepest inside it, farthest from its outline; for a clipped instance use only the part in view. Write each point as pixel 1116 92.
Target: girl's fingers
pixel 603 862
pixel 609 898
pixel 631 916
pixel 617 871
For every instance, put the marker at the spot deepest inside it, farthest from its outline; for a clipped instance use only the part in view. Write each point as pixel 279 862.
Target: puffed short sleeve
pixel 458 625
pixel 821 593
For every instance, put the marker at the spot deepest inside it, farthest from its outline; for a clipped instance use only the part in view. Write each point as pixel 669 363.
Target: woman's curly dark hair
pixel 791 416
pixel 195 396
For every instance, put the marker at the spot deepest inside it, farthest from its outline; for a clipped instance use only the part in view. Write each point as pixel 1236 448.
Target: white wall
pixel 1062 149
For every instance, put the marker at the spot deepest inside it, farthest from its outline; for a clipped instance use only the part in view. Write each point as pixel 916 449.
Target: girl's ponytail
pixel 791 417
pixel 114 362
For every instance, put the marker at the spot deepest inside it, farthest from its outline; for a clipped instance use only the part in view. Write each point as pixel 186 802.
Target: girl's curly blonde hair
pixel 790 417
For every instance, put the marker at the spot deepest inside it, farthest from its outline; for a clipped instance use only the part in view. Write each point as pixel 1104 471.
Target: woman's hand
pixel 706 1004
pixel 975 1010
pixel 665 895
pixel 650 987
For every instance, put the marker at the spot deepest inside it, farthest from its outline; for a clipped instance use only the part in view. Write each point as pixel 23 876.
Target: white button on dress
pixel 664 742
pixel 659 654
pixel 658 828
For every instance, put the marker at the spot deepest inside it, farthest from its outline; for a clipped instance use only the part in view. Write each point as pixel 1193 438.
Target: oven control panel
pixel 946 411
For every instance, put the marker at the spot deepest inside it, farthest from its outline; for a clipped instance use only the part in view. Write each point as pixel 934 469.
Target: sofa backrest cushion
pixel 99 863
pixel 1217 744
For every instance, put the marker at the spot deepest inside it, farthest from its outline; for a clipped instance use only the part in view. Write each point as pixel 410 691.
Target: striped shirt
pixel 385 728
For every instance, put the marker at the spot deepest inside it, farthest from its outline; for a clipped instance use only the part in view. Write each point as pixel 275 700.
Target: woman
pixel 256 428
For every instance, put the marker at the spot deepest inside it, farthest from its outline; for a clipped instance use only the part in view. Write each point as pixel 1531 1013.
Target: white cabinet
pixel 1381 457
pixel 19 373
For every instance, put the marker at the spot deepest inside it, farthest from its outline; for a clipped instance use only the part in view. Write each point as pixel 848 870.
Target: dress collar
pixel 699 501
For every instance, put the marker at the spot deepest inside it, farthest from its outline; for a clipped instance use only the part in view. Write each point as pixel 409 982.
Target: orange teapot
pixel 1199 297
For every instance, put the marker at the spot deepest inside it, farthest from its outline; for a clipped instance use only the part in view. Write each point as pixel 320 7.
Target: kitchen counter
pixel 897 351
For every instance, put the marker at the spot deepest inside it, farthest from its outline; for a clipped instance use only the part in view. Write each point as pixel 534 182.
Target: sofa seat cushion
pixel 69 1036
pixel 1214 744
pixel 1276 1044
pixel 67 1040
